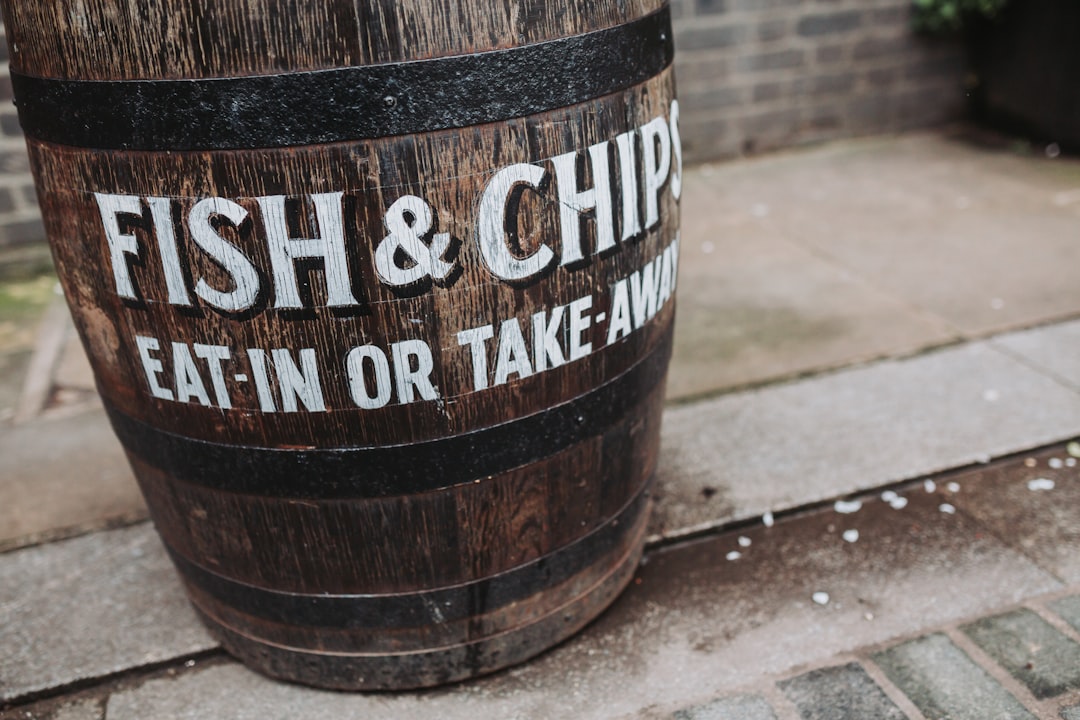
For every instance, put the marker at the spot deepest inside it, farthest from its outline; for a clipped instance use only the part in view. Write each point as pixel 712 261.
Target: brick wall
pixel 20 223
pixel 757 75
pixel 753 75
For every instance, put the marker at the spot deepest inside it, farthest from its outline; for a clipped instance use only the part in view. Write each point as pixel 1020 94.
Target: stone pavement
pixel 890 320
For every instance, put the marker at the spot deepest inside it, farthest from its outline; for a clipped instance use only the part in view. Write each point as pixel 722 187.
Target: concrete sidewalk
pixel 855 317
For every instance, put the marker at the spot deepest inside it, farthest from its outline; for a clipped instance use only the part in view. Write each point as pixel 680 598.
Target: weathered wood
pixel 128 39
pixel 394 402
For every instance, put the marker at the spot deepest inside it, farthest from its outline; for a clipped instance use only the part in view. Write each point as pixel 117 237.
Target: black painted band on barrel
pixel 347 103
pixel 410 610
pixel 368 472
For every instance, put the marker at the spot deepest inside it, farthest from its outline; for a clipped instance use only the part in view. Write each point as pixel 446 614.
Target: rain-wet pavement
pixel 876 352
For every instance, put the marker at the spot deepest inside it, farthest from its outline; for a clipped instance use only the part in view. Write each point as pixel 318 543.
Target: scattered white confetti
pixel 759 210
pixel 1070 462
pixel 707 247
pixel 899 503
pixel 953 487
pixel 1056 463
pixel 1073 449
pixel 846 507
pixel 929 486
pixel 888 496
pixel 997 303
pixel 1030 462
pixel 851 535
pixel 734 555
pixel 1040 484
pixel 768 520
pixel 991 395
pixel 744 541
pixel 947 509
pixel 821 598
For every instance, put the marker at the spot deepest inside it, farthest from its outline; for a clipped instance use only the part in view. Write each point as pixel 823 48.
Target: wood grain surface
pixel 129 39
pixel 374 296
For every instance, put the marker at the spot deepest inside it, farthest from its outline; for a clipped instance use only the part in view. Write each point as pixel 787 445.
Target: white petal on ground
pixel 888 496
pixel 1056 463
pixel 851 535
pixel 1040 484
pixel 734 555
pixel 821 598
pixel 898 503
pixel 947 509
pixel 1073 449
pixel 846 507
pixel 1070 462
pixel 953 487
pixel 744 541
pixel 1030 462
pixel 929 486
pixel 767 519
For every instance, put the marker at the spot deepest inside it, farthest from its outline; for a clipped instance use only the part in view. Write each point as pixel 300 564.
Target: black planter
pixel 1027 66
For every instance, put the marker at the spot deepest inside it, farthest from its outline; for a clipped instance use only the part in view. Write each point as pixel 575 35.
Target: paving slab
pixel 843 692
pixel 985 241
pixel 13 366
pixel 740 455
pixel 88 607
pixel 1069 608
pixel 23 301
pixel 73 369
pixel 62 474
pixel 944 682
pixel 89 710
pixel 753 306
pixel 80 709
pixel 1054 349
pixel 741 707
pixel 694 625
pixel 72 389
pixel 1032 650
pixel 1032 504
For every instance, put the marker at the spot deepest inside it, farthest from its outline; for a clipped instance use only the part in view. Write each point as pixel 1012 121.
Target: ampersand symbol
pixel 421 260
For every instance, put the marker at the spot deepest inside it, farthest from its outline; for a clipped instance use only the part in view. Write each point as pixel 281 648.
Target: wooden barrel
pixel 379 298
